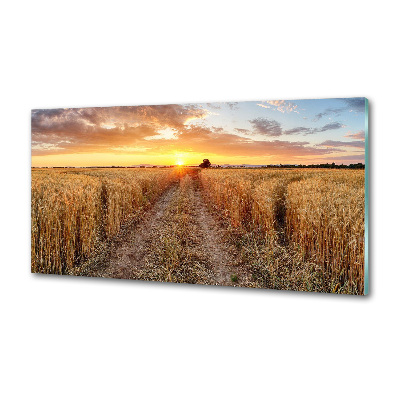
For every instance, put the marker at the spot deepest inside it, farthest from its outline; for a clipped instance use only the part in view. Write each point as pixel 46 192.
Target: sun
pixel 179 162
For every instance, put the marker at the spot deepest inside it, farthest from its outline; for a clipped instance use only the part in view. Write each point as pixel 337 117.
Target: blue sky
pixel 291 114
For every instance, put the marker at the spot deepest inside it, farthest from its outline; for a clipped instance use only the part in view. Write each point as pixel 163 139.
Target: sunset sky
pixel 252 132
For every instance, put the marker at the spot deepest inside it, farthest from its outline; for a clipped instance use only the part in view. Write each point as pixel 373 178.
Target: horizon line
pixel 195 166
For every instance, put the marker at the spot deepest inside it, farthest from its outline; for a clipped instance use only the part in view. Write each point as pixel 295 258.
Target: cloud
pixel 336 143
pixel 98 129
pixel 155 130
pixel 216 106
pixel 272 128
pixel 309 131
pixel 282 106
pixel 266 127
pixel 233 105
pixel 360 135
pixel 217 129
pixel 204 140
pixel 356 104
pixel 242 131
pixel 331 126
pixel 300 130
pixel 174 116
pixel 329 111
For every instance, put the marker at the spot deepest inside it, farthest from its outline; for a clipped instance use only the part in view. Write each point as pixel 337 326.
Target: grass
pixel 175 257
pixel 73 210
pixel 295 229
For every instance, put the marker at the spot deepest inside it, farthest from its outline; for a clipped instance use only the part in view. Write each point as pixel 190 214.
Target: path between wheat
pixel 135 247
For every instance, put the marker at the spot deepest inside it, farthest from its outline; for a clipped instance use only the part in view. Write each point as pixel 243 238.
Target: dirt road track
pixel 137 252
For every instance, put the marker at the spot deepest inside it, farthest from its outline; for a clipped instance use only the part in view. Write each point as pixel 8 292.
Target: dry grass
pixel 230 191
pixel 177 254
pixel 297 229
pixel 325 218
pixel 294 229
pixel 72 210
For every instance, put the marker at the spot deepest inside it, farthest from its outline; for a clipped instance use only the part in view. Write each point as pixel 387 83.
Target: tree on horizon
pixel 205 164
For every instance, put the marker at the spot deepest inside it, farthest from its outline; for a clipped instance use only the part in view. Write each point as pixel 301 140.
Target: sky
pixel 252 132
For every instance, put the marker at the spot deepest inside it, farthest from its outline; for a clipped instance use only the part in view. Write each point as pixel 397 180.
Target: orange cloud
pixel 157 131
pixel 360 135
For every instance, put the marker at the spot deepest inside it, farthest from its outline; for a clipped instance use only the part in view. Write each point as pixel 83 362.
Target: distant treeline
pixel 331 165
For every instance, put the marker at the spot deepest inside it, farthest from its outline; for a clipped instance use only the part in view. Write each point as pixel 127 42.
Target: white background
pixel 81 338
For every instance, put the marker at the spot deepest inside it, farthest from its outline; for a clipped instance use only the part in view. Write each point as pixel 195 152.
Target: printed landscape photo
pixel 260 194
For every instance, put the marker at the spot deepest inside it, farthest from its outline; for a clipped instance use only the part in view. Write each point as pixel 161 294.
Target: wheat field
pixel 296 229
pixel 73 210
pixel 319 213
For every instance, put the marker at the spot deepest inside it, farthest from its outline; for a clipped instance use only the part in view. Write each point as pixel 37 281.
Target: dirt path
pixel 221 256
pixel 178 240
pixel 130 253
pixel 126 252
